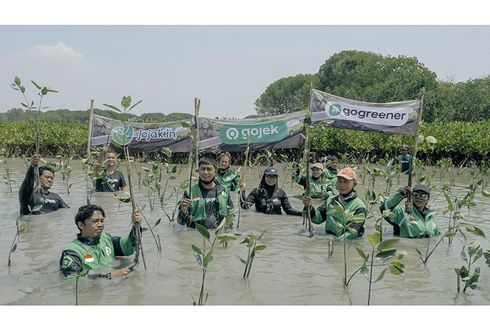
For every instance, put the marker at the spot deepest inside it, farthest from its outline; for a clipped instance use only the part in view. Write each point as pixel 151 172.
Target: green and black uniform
pixel 414 225
pixel 335 220
pixel 331 174
pixel 404 161
pixel 319 188
pixel 208 206
pixel 110 182
pixel 268 200
pixel 228 179
pixel 83 255
pixel 28 196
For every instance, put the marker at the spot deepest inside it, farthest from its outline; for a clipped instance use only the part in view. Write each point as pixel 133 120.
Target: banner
pixel 146 137
pixel 280 131
pixel 392 118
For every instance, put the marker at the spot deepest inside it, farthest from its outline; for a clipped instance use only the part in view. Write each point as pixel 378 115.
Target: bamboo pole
pixel 90 122
pixel 408 203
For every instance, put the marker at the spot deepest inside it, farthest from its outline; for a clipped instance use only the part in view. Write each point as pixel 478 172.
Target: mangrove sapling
pixel 29 105
pixel 151 183
pixel 470 255
pixel 348 219
pixel 7 178
pixel 457 228
pixel 383 251
pixel 204 255
pixel 123 136
pixel 251 241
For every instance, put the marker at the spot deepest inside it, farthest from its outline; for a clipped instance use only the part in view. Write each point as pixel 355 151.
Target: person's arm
pixel 286 206
pixel 102 158
pixel 394 200
pixel 183 216
pixel 123 185
pixel 72 268
pixel 62 203
pixel 319 215
pixel 247 202
pixel 235 184
pixel 27 187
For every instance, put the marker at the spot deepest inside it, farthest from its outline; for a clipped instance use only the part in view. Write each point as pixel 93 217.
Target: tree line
pixel 371 77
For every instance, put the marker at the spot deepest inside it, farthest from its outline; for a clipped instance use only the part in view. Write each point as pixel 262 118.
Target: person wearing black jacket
pixel 31 196
pixel 267 197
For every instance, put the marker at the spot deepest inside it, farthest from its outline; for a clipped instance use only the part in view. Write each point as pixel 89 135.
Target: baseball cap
pixel 347 173
pixel 422 188
pixel 317 165
pixel 405 146
pixel 270 171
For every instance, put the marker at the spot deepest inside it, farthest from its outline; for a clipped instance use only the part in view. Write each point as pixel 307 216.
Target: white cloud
pixel 58 51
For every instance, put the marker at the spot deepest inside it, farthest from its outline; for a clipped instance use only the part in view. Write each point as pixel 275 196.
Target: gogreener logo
pixel 263 132
pixel 373 115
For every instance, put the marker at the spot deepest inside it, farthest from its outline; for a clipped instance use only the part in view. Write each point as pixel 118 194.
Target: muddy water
pixel 294 269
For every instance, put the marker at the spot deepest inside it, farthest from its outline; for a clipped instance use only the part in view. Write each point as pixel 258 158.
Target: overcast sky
pixel 227 67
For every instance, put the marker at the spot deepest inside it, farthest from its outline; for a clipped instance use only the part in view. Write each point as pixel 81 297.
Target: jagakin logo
pixel 372 115
pixel 255 133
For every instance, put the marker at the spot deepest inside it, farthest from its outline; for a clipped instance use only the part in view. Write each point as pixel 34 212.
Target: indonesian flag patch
pixel 88 258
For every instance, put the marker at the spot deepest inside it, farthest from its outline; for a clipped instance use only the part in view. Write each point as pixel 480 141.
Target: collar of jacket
pixel 350 196
pixel 88 241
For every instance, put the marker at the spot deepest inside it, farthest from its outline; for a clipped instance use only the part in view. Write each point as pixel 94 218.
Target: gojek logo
pixel 334 110
pixel 263 132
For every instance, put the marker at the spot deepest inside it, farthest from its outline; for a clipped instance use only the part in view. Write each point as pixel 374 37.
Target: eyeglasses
pixel 420 195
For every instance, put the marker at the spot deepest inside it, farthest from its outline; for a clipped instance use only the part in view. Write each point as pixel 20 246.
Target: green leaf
pixel 14 247
pixel 475 230
pixel 380 276
pixel 396 268
pixel 112 107
pixel 386 254
pixel 374 238
pixel 196 249
pixel 203 231
pixel 260 247
pixel 158 221
pixel 126 101
pixel 44 91
pixel 387 244
pixel 362 254
pixel 364 270
pixel 207 259
pixel 243 261
pixel 135 105
pixel 35 84
pixel 17 81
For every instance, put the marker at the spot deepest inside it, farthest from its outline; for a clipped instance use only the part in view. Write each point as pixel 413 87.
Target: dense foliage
pixel 460 141
pixel 367 76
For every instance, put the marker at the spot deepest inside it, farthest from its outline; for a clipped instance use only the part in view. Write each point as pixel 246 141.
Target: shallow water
pixel 293 269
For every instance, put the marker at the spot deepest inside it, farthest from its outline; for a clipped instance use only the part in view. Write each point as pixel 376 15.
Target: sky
pixel 227 66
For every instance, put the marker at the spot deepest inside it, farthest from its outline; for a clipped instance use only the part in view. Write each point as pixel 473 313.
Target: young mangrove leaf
pixel 203 231
pixel 380 276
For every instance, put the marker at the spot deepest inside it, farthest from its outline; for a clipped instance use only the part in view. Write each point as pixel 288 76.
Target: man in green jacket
pixel 420 223
pixel 404 159
pixel 93 248
pixel 208 203
pixel 332 170
pixel 336 222
pixel 320 186
pixel 225 175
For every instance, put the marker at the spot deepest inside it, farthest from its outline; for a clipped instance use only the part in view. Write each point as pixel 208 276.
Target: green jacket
pixel 334 220
pixel 321 187
pixel 404 161
pixel 414 225
pixel 209 210
pixel 331 174
pixel 229 179
pixel 85 254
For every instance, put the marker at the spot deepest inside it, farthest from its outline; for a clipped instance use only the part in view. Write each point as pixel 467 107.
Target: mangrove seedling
pixel 7 178
pixel 383 252
pixel 251 241
pixel 470 255
pixel 204 254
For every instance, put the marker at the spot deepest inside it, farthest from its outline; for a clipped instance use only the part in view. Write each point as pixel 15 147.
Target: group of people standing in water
pixel 209 201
